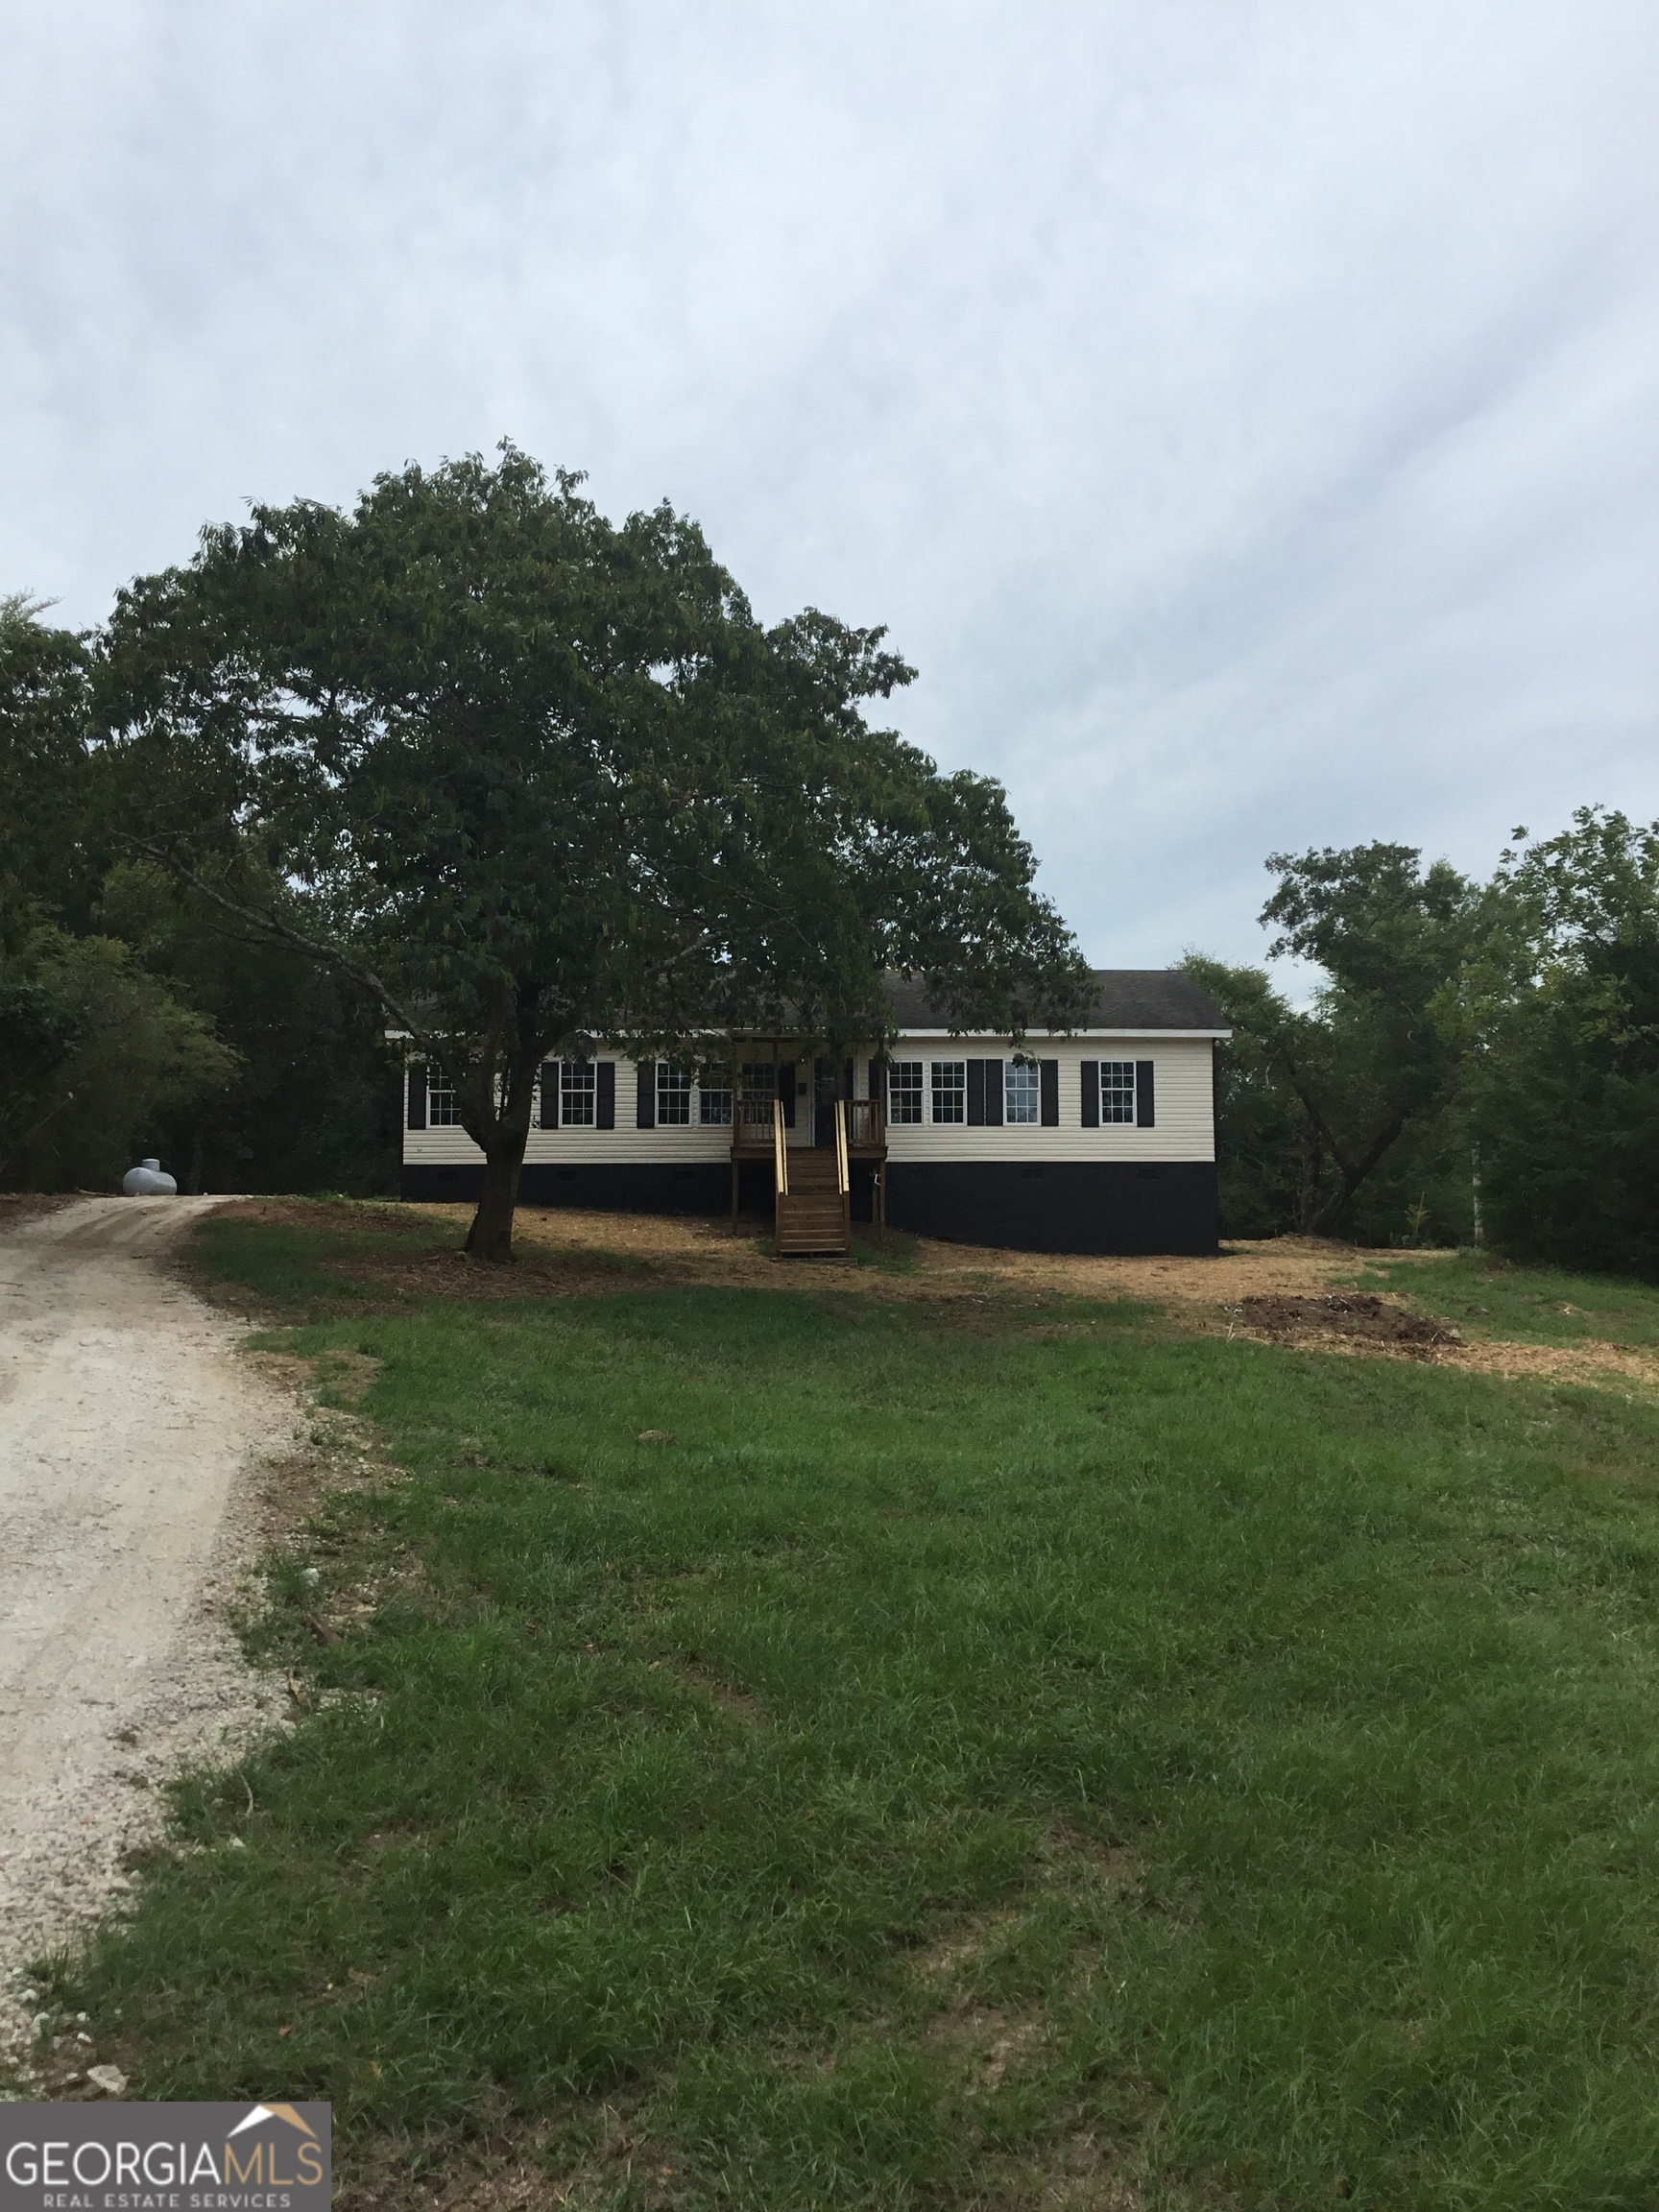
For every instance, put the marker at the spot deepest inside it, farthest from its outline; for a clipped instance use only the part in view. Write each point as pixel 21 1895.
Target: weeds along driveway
pixel 128 1434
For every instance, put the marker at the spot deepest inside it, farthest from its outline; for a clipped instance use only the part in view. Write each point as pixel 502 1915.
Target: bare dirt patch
pixel 963 1945
pixel 19 1206
pixel 574 1251
pixel 984 2041
pixel 1596 1364
pixel 512 2170
pixel 1354 1315
pixel 1283 1266
pixel 740 1704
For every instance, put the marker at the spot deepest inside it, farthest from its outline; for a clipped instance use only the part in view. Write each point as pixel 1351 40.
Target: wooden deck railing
pixel 843 1177
pixel 866 1125
pixel 754 1121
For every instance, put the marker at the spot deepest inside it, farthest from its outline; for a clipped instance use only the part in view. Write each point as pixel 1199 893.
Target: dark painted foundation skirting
pixel 646 1187
pixel 1060 1205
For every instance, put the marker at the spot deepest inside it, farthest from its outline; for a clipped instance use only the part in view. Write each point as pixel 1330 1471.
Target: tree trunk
pixel 1353 1174
pixel 491 1235
pixel 1310 1176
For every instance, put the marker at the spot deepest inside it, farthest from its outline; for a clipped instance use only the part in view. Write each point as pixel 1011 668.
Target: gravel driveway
pixel 129 1436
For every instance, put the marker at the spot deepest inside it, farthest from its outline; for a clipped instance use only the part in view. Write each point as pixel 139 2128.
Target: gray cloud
pixel 1241 413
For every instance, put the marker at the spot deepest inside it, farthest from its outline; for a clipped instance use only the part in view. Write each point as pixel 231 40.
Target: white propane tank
pixel 147 1181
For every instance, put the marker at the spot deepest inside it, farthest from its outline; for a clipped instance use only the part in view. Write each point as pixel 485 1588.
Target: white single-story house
pixel 1102 1139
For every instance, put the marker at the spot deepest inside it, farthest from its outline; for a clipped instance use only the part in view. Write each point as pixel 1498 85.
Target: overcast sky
pixel 1243 415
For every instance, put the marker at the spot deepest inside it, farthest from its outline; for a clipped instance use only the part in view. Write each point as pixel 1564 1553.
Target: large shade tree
pixel 530 779
pixel 1334 1086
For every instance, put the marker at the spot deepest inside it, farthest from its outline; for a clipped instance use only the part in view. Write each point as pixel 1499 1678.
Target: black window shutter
pixel 847 1074
pixel 547 1113
pixel 645 1108
pixel 877 1074
pixel 993 1093
pixel 1143 1113
pixel 1091 1094
pixel 417 1095
pixel 787 1092
pixel 1048 1092
pixel 605 1094
pixel 976 1094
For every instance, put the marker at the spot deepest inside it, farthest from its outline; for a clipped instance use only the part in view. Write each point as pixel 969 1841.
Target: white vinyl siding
pixel 1182 1093
pixel 1182 1102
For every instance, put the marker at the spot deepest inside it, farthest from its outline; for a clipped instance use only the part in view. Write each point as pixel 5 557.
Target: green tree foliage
pixel 542 779
pixel 95 1054
pixel 98 1055
pixel 1319 1097
pixel 1263 1155
pixel 48 863
pixel 314 1102
pixel 111 988
pixel 1560 1015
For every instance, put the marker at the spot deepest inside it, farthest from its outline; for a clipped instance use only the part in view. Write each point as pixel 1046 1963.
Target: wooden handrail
pixel 780 1157
pixel 842 1179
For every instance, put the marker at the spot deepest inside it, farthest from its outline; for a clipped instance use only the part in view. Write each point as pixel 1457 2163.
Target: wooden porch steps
pixel 807 1223
pixel 812 1214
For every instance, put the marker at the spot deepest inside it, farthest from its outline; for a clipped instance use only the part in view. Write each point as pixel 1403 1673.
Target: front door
pixel 824 1093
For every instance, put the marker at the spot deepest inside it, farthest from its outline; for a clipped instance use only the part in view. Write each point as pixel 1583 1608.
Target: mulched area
pixel 1350 1314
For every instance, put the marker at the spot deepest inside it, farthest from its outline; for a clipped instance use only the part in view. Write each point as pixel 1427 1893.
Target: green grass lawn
pixel 986 1756
pixel 1489 1297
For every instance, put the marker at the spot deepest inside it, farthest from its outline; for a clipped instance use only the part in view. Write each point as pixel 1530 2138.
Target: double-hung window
pixel 576 1089
pixel 715 1097
pixel 950 1091
pixel 443 1106
pixel 1022 1104
pixel 673 1095
pixel 1116 1091
pixel 905 1092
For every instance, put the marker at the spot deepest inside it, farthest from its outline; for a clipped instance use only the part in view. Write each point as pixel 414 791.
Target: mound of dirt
pixel 1352 1313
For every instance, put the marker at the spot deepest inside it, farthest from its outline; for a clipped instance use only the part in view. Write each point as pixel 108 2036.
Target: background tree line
pixel 1478 1062
pixel 136 1020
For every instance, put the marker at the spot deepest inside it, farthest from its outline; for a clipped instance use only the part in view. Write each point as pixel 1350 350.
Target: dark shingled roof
pixel 1141 999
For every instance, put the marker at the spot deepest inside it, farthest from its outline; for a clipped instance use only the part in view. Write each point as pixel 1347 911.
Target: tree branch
pixel 276 930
